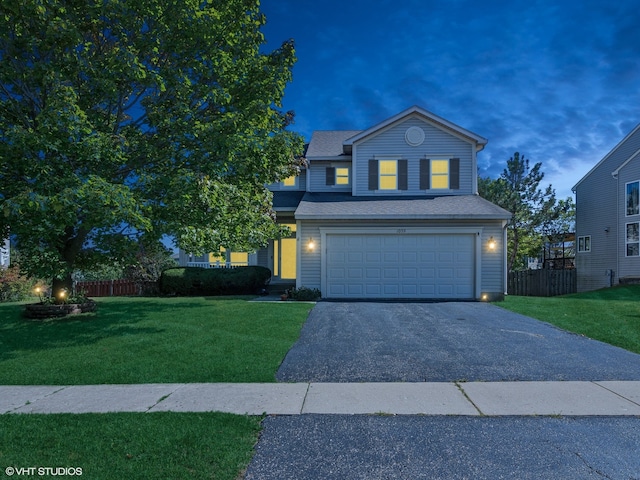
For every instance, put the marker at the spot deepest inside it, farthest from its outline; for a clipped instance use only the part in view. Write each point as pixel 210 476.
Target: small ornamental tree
pixel 120 119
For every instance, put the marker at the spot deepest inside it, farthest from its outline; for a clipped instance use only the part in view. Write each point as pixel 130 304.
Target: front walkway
pixel 606 398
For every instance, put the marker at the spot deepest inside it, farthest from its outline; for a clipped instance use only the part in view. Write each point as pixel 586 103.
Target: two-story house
pixel 391 212
pixel 608 217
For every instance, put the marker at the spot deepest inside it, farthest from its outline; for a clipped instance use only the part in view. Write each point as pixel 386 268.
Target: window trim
pixel 633 241
pixel 439 175
pixel 626 198
pixel 393 175
pixel 584 244
pixel 338 176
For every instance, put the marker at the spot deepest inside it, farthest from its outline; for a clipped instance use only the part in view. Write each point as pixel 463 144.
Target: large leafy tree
pixel 535 211
pixel 122 119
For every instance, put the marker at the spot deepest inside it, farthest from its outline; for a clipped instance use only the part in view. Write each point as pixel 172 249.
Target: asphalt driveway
pixel 444 342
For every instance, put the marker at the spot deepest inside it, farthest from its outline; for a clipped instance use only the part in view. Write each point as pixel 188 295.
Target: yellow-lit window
pixel 388 174
pixel 342 176
pixel 239 258
pixel 439 173
pixel 289 182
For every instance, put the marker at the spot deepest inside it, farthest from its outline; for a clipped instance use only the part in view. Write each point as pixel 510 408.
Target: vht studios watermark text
pixel 43 471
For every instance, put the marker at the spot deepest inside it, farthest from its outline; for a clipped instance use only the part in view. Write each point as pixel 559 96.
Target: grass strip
pixel 610 315
pixel 130 445
pixel 151 340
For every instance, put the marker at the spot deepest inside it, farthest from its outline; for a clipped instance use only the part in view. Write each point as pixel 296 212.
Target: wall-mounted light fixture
pixel 606 229
pixel 311 245
pixel 491 243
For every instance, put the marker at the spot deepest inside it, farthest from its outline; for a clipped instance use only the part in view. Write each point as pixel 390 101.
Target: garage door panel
pixel 400 266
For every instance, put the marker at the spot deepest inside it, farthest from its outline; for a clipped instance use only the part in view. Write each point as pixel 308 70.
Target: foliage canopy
pixel 123 119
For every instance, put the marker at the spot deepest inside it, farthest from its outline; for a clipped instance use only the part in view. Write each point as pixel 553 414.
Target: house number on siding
pixel 402 230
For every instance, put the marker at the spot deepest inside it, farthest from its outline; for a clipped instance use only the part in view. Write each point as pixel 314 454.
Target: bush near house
pixel 214 281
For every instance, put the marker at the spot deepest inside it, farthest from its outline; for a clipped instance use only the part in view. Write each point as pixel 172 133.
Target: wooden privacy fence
pixel 114 288
pixel 542 283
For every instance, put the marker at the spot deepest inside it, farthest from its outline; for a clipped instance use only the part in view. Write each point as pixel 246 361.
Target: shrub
pixel 305 294
pixel 214 281
pixel 14 286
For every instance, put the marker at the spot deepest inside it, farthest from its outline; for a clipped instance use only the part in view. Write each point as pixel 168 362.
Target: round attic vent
pixel 414 136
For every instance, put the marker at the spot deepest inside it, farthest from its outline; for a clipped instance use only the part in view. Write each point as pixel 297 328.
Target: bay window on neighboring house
pixel 633 198
pixel 632 229
pixel 632 240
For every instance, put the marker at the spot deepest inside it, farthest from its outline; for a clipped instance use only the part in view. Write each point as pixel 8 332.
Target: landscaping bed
pixel 46 311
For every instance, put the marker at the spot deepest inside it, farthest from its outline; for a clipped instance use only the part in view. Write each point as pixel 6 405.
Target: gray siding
pixel 318 176
pixel 491 264
pixel 438 144
pixel 627 266
pixel 598 197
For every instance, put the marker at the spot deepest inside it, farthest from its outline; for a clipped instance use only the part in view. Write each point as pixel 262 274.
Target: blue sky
pixel 556 80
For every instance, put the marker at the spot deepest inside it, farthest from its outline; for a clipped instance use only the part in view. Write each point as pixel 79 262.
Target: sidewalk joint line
pixel 164 397
pixel 304 400
pixel 615 393
pixel 459 385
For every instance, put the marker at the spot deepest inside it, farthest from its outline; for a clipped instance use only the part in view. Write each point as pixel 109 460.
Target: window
pixel 584 244
pixel 440 174
pixel 388 175
pixel 290 182
pixel 342 176
pixel 337 176
pixel 633 239
pixel 633 198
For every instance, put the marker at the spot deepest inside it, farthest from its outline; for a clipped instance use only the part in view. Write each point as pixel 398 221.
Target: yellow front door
pixel 284 257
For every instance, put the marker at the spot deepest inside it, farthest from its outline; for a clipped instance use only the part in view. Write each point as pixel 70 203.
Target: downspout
pixel 504 256
pixel 617 237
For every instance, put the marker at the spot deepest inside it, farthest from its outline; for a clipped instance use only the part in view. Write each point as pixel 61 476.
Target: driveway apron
pixel 444 342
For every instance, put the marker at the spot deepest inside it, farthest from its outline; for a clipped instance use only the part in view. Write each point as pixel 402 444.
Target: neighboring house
pixel 608 218
pixel 390 212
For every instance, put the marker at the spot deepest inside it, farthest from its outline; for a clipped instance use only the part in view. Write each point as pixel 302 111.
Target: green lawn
pixel 611 315
pixel 151 340
pixel 143 340
pixel 130 445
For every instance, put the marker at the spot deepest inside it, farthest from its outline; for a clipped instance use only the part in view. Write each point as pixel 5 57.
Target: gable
pixel 427 117
pixel 414 142
pixel 614 160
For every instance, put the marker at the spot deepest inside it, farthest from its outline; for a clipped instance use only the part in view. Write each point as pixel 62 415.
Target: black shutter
pixel 373 174
pixel 454 173
pixel 403 175
pixel 425 167
pixel 331 176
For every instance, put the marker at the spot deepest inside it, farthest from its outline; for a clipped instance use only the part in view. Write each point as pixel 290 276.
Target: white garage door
pixel 400 266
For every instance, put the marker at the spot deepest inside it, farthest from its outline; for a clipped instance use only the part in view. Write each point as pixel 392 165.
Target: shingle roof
pixel 328 143
pixel 344 206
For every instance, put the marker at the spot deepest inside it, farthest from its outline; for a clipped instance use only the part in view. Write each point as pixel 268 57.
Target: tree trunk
pixel 62 288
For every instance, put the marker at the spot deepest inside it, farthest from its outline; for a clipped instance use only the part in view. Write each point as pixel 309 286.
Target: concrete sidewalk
pixel 606 398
